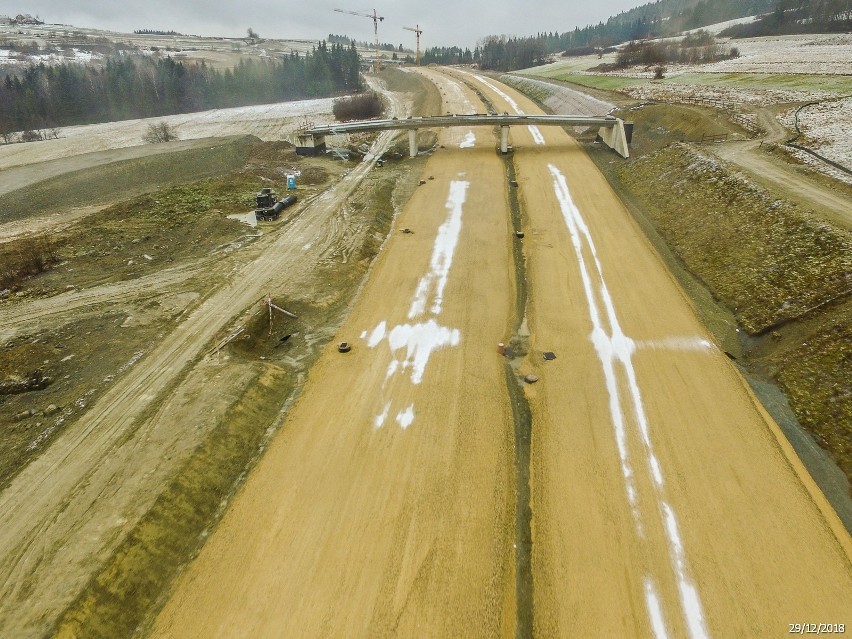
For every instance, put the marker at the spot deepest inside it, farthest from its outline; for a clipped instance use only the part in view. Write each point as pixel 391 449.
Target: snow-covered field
pixel 267 122
pixel 813 66
pixel 218 52
pixel 821 54
pixel 826 129
pixel 815 54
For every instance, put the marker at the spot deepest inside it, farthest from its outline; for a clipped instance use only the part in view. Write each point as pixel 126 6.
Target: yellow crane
pixel 376 18
pixel 418 31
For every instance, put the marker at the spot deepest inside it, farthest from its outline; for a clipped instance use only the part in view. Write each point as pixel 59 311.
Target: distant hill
pixel 671 17
pixel 663 18
pixel 798 16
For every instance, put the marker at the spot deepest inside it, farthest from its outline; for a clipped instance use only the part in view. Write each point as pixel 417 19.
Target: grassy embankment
pixel 784 273
pixel 178 227
pixel 123 180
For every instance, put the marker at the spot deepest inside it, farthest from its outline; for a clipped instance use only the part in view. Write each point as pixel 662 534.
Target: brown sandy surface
pixel 754 536
pixel 65 513
pixel 665 501
pixel 352 526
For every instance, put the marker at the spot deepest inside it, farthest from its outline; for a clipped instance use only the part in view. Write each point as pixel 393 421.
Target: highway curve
pixel 665 502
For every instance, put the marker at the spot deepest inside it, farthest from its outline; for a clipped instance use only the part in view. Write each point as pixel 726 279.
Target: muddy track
pixel 58 517
pixel 42 314
pixel 780 176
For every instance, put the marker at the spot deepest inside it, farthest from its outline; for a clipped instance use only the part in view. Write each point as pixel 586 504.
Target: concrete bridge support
pixel 412 143
pixel 310 144
pixel 504 139
pixel 615 138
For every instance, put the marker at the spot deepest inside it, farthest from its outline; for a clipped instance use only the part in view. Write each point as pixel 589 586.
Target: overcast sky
pixel 444 22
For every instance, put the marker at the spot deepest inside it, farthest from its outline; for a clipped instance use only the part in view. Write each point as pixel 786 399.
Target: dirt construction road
pixel 68 509
pixel 664 500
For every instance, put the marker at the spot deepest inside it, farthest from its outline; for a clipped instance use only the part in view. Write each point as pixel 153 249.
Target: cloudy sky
pixel 444 22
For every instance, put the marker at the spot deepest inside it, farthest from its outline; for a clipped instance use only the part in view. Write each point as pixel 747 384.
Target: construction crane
pixel 376 18
pixel 418 31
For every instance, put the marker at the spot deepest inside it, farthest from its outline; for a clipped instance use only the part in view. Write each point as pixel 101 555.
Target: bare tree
pixel 160 132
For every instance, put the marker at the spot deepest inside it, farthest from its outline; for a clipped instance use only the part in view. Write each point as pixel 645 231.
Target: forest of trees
pixel 157 32
pixel 450 55
pixel 653 20
pixel 799 16
pixel 699 47
pixel 42 97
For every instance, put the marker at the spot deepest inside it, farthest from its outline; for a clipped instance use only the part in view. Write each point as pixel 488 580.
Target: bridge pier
pixel 310 144
pixel 412 143
pixel 615 138
pixel 504 139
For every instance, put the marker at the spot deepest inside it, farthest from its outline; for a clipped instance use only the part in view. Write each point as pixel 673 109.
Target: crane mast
pixel 376 18
pixel 417 30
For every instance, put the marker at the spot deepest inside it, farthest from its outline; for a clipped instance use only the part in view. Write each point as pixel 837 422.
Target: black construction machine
pixel 268 207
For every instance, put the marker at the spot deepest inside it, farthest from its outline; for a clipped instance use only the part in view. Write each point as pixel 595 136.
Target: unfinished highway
pixel 663 500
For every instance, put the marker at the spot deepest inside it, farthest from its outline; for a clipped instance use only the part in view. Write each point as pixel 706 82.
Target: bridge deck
pixel 443 121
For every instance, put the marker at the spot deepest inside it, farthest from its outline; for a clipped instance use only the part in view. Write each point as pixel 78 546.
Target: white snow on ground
pixel 730 97
pixel 826 128
pixel 268 122
pixel 615 351
pixel 823 54
pixel 412 345
pixel 721 26
pixel 12 58
pixel 469 140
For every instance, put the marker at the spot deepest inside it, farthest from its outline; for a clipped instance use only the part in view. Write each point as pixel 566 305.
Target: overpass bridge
pixel 611 129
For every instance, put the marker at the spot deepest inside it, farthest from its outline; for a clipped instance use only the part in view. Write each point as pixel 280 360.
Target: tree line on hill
pixel 798 16
pixel 663 18
pixel 451 55
pixel 699 47
pixel 157 32
pixel 128 87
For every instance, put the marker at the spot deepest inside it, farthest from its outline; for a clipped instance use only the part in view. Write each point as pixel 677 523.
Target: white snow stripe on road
pixel 534 130
pixel 617 347
pixel 412 345
pixel 442 254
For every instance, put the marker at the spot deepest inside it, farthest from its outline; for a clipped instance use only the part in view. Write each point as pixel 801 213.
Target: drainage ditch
pixel 523 427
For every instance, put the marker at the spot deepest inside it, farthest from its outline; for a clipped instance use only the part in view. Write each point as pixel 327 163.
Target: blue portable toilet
pixel 291 181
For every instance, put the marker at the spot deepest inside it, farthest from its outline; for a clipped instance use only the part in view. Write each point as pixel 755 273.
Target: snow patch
pixel 406 417
pixel 432 284
pixel 419 341
pixel 469 141
pixel 655 611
